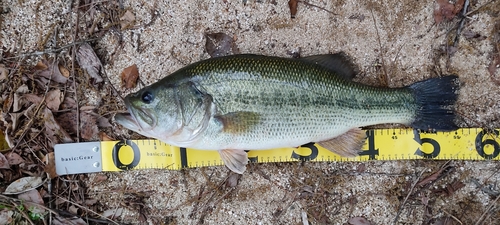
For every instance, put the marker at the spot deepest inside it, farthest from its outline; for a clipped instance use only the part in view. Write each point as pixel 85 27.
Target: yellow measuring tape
pixel 381 144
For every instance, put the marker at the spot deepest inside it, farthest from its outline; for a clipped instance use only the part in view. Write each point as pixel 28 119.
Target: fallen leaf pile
pixel 62 98
pixel 39 108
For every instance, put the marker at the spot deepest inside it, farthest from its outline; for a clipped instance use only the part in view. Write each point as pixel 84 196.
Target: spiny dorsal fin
pixel 347 145
pixel 338 63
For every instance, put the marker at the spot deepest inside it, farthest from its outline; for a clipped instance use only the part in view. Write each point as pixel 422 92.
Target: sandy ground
pixel 399 38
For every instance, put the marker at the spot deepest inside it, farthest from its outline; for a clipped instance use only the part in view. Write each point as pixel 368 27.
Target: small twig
pixel 68 214
pixel 87 209
pixel 478 8
pixel 408 196
pixel 12 200
pixel 73 58
pixel 319 7
pixel 385 82
pixel 32 152
pixel 22 212
pixel 47 51
pixel 372 174
pixel 479 221
pixel 453 217
pixel 105 75
pixel 462 22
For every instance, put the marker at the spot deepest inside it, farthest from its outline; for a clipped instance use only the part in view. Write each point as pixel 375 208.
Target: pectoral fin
pixel 235 160
pixel 348 144
pixel 238 122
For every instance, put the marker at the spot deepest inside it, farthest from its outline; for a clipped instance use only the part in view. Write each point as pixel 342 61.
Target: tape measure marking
pixel 381 144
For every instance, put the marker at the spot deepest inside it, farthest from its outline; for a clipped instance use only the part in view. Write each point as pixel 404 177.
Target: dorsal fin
pixel 338 63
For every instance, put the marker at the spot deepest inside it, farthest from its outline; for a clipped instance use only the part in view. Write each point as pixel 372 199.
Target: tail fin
pixel 435 99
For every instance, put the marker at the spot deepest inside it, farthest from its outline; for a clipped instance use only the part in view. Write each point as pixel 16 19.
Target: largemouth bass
pixel 252 102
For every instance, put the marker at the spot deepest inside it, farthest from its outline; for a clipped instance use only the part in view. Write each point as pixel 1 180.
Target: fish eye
pixel 147 97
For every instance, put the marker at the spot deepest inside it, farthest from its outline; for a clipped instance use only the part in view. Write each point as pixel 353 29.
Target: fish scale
pixel 276 89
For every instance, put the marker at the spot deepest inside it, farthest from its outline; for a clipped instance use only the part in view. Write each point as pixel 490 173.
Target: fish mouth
pixel 127 120
pixel 130 121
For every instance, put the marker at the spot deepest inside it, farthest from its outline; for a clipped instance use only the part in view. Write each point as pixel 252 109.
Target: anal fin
pixel 235 160
pixel 346 145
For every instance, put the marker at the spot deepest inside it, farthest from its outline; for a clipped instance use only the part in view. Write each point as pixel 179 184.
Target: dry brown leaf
pixel 87 108
pixel 104 137
pixel 495 54
pixel 358 221
pixel 53 130
pixel 14 158
pixel 41 65
pixel 492 68
pixel 90 201
pixel 220 44
pixel 23 184
pixel 112 213
pixel 32 198
pixel 469 34
pixel 459 5
pixel 293 7
pixel 7 103
pixel 64 71
pixel 6 216
pixel 88 60
pixel 3 72
pixel 99 178
pixel 129 76
pixel 67 120
pixel 103 122
pixel 445 10
pixel 127 20
pixel 50 165
pixel 59 220
pixel 23 89
pixel 4 163
pixel 17 104
pixel 35 99
pixel 233 180
pixel 53 99
pixel 431 178
pixel 73 209
pixel 88 126
pixel 51 71
pixel 68 103
pixel 4 144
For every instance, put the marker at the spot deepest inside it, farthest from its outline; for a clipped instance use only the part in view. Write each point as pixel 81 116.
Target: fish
pixel 255 102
